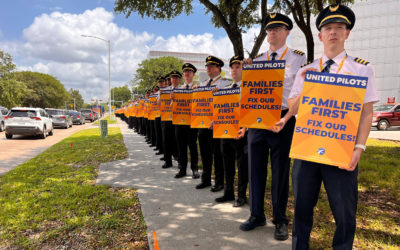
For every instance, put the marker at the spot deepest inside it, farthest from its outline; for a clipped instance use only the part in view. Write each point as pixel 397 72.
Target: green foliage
pixel 6 64
pixel 122 93
pixel 74 93
pixel 150 69
pixel 51 201
pixel 44 90
pixel 11 92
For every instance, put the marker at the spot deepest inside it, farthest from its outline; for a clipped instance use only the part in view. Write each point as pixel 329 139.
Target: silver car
pixel 28 121
pixel 60 118
pixel 3 113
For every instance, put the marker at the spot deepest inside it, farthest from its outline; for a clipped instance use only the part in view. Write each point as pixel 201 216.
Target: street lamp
pixel 109 79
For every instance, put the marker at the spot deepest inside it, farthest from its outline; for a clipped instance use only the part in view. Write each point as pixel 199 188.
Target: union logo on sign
pixel 321 151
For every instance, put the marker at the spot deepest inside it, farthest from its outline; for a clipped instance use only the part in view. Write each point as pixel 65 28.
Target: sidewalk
pixel 181 216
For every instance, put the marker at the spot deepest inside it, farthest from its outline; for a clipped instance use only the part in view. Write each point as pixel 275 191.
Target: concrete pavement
pixel 181 216
pixel 392 134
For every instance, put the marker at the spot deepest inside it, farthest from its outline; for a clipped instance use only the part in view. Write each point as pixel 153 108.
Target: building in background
pixel 375 38
pixel 197 59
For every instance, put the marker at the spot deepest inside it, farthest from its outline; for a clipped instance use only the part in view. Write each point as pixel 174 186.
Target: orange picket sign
pixel 181 106
pixel 226 113
pixel 202 110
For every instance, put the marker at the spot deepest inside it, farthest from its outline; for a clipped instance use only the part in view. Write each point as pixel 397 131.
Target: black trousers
pixel 135 124
pixel 159 143
pixel 263 143
pixel 169 143
pixel 187 137
pixel 142 126
pixel 153 132
pixel 210 148
pixel 148 130
pixel 130 122
pixel 342 190
pixel 235 150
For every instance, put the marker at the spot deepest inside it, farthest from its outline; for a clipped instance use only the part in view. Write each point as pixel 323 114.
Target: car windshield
pixel 73 113
pixel 54 112
pixel 385 108
pixel 86 111
pixel 23 113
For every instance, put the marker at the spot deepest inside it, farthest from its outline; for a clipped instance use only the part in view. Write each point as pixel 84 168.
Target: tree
pixel 119 94
pixel 150 69
pixel 11 93
pixel 74 93
pixel 301 11
pixel 234 16
pixel 6 64
pixel 43 90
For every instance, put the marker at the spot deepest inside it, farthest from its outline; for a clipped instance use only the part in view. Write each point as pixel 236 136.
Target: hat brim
pixel 334 20
pixel 211 63
pixel 275 25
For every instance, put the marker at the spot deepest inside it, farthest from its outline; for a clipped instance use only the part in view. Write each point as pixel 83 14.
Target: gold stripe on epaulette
pixel 307 63
pixel 298 52
pixel 361 61
pixel 257 56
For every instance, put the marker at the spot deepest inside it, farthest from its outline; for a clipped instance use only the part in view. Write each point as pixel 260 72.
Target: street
pixel 22 148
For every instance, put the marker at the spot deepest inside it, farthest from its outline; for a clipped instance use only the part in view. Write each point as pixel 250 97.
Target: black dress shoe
pixel 224 198
pixel 239 202
pixel 159 153
pixel 162 158
pixel 166 166
pixel 217 188
pixel 281 232
pixel 180 174
pixel 252 223
pixel 156 149
pixel 152 145
pixel 203 185
pixel 196 174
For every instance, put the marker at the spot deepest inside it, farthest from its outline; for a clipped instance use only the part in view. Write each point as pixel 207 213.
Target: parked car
pixel 386 116
pixel 77 117
pixel 3 113
pixel 60 118
pixel 28 121
pixel 88 114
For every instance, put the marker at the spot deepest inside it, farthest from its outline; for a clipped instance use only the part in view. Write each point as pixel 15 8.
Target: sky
pixel 45 36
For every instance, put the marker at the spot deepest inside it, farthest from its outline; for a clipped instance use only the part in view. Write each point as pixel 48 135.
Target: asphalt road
pixel 22 148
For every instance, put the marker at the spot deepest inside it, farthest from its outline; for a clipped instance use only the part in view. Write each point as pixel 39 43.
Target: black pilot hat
pixel 336 14
pixel 167 76
pixel 175 73
pixel 214 60
pixel 189 66
pixel 278 20
pixel 160 79
pixel 235 59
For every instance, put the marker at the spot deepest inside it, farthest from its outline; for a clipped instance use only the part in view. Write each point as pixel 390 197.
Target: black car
pixel 88 114
pixel 77 117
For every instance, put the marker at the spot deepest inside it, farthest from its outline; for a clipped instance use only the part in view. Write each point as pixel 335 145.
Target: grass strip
pixel 52 201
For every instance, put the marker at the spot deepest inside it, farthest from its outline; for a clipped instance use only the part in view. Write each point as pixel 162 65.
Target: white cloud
pixel 53 44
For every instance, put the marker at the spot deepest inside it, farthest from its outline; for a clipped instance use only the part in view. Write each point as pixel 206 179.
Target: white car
pixel 28 121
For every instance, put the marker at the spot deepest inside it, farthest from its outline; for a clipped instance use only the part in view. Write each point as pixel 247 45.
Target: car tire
pixel 51 131
pixel 9 136
pixel 43 135
pixel 383 125
pixel 1 126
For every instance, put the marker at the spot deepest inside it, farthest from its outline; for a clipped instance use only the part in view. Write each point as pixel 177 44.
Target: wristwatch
pixel 363 147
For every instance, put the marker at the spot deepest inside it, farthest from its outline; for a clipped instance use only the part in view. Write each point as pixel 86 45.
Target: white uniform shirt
pixel 350 67
pixel 183 86
pixel 294 61
pixel 220 83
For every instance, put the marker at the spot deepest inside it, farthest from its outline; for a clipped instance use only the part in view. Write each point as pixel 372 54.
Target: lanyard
pixel 340 65
pixel 283 55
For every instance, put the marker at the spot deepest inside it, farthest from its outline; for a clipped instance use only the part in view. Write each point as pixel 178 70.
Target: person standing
pixel 186 136
pixel 334 24
pixel 209 147
pixel 235 150
pixel 264 143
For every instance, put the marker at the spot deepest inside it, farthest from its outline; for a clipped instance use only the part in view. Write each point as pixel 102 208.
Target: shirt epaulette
pixel 298 52
pixel 361 61
pixel 307 63
pixel 257 56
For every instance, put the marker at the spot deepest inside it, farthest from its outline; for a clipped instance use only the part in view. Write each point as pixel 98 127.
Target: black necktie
pixel 209 82
pixel 273 54
pixel 187 86
pixel 328 66
pixel 234 85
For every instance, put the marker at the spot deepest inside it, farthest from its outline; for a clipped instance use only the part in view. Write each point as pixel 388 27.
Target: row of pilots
pixel 253 148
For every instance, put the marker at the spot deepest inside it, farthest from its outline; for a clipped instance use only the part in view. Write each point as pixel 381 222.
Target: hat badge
pixel 333 8
pixel 273 15
pixel 209 57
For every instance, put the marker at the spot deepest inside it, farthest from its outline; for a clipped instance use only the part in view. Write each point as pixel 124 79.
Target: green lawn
pixel 108 120
pixel 51 201
pixel 378 215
